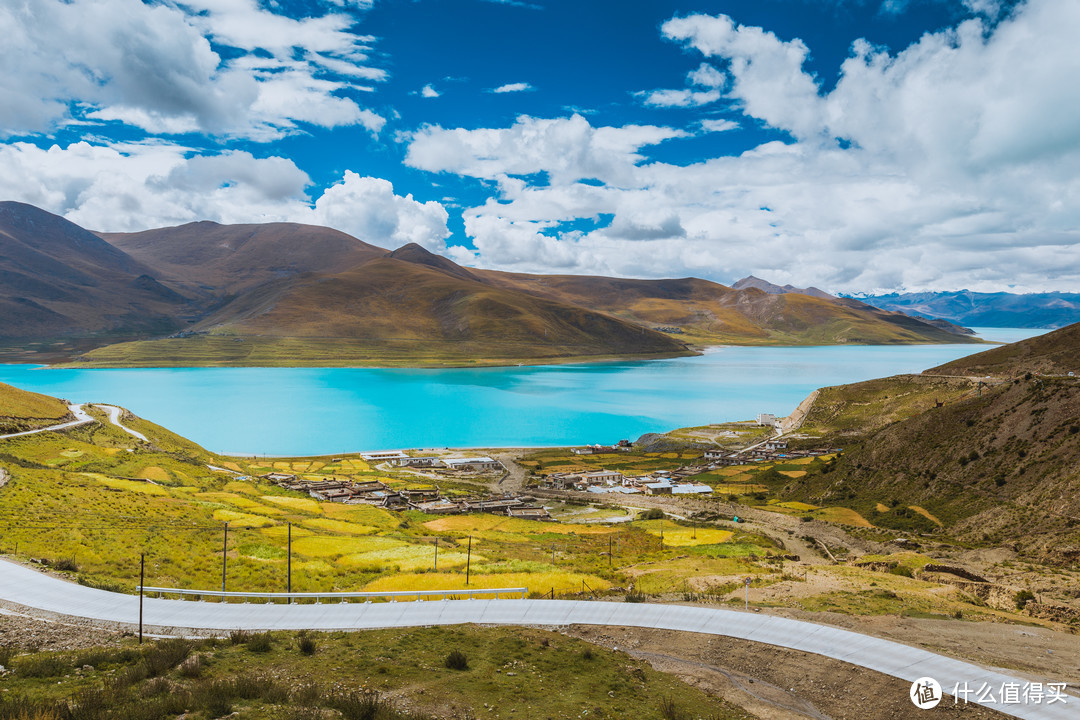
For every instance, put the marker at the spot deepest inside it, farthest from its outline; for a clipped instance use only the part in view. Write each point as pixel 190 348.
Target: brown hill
pixel 1055 353
pixel 995 462
pixel 392 311
pixel 58 280
pixel 227 259
pixel 707 313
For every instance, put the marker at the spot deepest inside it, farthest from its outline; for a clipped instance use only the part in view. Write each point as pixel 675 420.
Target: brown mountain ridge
pixel 290 294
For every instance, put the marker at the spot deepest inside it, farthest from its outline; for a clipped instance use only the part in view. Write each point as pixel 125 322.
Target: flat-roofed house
pixel 474 464
pixel 602 477
pixel 383 456
pixel 415 461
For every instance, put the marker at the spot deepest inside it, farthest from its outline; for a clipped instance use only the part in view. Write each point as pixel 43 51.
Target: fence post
pixel 288 581
pixel 224 559
pixel 142 582
pixel 468 565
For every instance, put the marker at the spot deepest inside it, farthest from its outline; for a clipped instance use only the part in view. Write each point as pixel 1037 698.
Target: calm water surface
pixel 308 411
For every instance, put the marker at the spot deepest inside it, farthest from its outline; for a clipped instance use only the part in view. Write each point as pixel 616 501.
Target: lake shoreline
pixel 294 412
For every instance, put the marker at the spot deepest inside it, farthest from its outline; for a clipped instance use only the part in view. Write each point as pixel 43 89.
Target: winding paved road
pixel 25 587
pixel 114 418
pixel 81 418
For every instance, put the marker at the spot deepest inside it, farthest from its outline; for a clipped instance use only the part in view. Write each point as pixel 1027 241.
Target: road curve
pixel 114 418
pixel 81 418
pixel 25 587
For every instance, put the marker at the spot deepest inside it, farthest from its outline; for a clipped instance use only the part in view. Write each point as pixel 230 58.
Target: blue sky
pixel 856 145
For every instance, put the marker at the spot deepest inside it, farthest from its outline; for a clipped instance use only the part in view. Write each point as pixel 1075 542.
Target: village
pixel 427 499
pixel 672 482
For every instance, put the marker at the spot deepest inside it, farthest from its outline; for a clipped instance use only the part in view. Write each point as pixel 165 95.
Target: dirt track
pixel 773 683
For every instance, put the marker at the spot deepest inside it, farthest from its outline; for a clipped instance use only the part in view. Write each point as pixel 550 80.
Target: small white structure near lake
pixel 473 463
pixel 383 456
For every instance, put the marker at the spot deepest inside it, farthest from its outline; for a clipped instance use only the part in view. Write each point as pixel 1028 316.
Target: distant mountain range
pixel 1030 310
pixel 289 294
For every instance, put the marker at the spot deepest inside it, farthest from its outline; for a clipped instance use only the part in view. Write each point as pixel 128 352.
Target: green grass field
pixel 506 672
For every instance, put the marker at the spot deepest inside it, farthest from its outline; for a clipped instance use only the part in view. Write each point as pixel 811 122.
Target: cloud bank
pixel 954 163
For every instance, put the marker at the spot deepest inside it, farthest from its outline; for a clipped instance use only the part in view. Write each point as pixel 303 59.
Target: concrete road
pixel 25 587
pixel 114 418
pixel 81 418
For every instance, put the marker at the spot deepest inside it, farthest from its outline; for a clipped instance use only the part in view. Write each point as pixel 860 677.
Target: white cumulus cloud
pixel 949 164
pixel 513 88
pixel 152 66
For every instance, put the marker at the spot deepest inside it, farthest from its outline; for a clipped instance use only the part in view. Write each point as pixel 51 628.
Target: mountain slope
pixel 996 463
pixel 58 280
pixel 755 282
pixel 707 313
pixel 23 410
pixel 228 259
pixel 392 311
pixel 1032 310
pixel 1055 353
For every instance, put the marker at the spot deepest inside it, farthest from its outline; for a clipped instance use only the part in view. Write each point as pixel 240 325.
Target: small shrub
pixel 163 656
pixel 66 565
pixel 587 654
pixel 214 697
pixel 261 642
pixel 1022 598
pixel 457 660
pixel 42 666
pixel 635 597
pixel 670 711
pixel 192 667
pixel 654 514
pixel 902 571
pixel 239 637
pixel 307 644
pixel 7 652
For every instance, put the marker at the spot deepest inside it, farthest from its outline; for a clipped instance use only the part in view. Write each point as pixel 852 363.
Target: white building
pixel 766 419
pixel 473 463
pixel 383 455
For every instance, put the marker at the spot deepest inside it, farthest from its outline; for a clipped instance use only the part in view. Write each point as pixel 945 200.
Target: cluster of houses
pixel 662 482
pixel 427 500
pixel 397 458
pixel 675 482
pixel 621 446
pixel 775 450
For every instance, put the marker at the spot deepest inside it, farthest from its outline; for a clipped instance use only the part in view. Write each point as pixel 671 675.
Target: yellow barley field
pixel 926 514
pixel 479 523
pixel 843 516
pixel 145 488
pixel 326 546
pixel 408 558
pixel 562 582
pixel 793 473
pixel 362 514
pixel 678 536
pixel 240 519
pixel 294 503
pixel 154 473
pixel 339 526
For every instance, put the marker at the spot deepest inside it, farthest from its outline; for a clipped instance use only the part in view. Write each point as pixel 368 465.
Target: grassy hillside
pixel 996 468
pixel 1055 353
pixel 22 410
pixel 378 674
pixel 859 409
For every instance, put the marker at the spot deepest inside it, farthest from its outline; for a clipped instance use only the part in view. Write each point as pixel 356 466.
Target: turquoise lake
pixel 310 411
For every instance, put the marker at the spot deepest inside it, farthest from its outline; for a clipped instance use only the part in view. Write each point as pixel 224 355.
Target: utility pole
pixel 609 552
pixel 142 581
pixel 468 562
pixel 436 554
pixel 288 577
pixel 224 559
